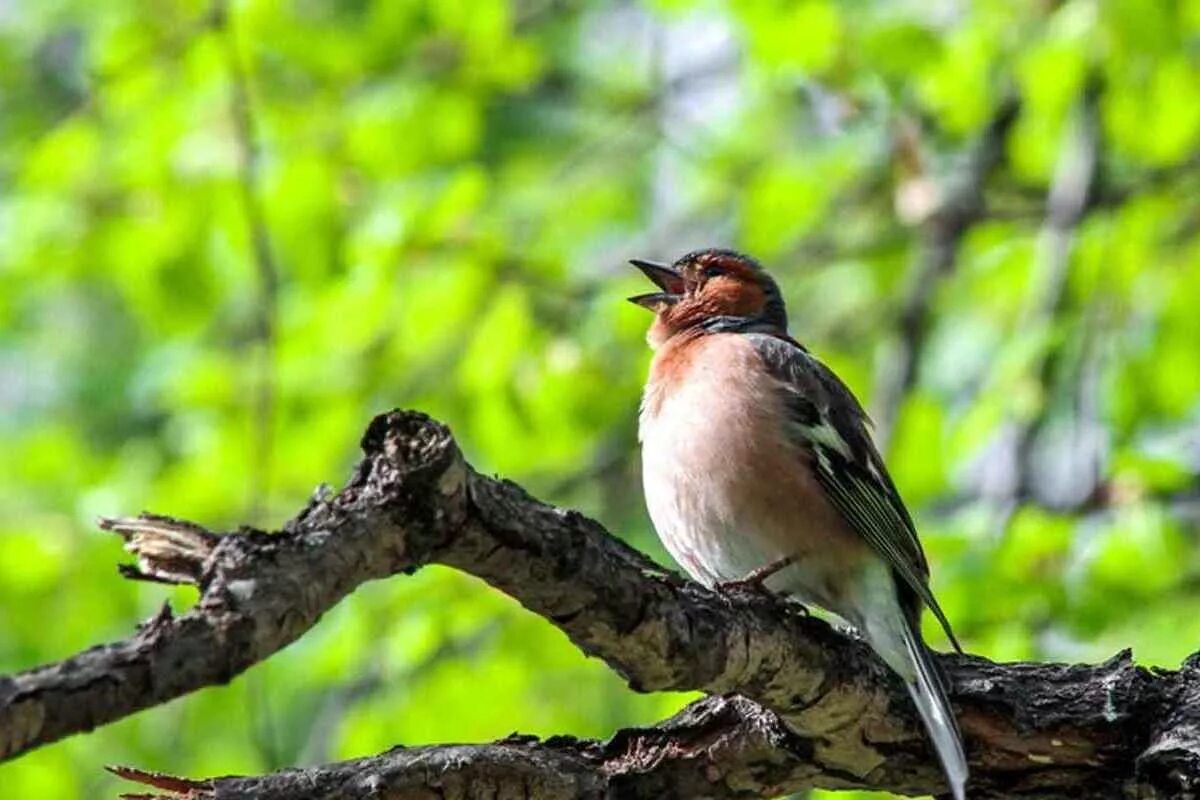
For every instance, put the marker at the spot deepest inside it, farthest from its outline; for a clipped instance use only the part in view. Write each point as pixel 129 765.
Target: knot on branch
pixel 405 449
pixel 413 469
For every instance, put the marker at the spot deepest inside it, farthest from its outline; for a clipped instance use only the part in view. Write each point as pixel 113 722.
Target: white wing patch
pixel 827 435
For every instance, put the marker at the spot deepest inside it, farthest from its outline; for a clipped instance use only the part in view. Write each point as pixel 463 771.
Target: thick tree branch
pixel 1031 729
pixel 718 747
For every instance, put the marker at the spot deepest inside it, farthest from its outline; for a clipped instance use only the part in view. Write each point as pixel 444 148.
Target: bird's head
pixel 711 289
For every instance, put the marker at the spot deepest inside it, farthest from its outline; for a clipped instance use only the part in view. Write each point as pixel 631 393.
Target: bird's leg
pixel 756 578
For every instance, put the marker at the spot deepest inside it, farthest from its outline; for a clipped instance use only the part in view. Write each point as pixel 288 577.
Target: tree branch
pixel 1042 730
pixel 717 747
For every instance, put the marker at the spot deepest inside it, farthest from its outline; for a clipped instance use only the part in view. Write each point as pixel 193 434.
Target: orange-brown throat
pixel 723 296
pixel 707 286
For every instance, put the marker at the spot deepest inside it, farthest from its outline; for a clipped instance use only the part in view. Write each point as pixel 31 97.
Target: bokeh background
pixel 230 233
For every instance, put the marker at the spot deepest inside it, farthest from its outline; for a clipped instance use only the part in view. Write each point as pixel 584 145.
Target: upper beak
pixel 665 278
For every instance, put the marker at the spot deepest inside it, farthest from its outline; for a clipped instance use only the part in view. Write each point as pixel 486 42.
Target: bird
pixel 759 470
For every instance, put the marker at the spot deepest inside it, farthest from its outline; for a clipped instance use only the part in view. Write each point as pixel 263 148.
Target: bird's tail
pixel 928 690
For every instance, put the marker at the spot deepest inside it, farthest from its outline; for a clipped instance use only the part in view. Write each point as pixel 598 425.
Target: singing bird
pixel 759 468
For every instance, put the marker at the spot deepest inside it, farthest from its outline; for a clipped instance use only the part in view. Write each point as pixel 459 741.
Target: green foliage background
pixel 448 192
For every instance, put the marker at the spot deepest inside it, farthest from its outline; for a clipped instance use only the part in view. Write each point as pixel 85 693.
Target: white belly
pixel 729 491
pixel 696 448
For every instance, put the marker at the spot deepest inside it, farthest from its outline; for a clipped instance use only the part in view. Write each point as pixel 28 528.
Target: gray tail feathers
pixel 928 691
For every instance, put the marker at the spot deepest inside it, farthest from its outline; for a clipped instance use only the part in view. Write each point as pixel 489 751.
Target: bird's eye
pixel 713 272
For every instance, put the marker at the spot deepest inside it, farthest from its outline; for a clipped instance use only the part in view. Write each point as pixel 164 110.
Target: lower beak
pixel 654 301
pixel 665 278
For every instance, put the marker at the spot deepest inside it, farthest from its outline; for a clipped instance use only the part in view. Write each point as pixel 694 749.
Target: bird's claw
pixel 750 583
pixel 756 580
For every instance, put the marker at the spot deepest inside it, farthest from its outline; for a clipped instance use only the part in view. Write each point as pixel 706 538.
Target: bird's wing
pixel 825 415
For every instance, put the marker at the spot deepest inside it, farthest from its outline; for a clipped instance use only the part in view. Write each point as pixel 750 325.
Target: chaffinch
pixel 759 467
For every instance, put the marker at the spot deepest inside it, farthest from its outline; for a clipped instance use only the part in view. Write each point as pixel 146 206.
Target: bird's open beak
pixel 665 278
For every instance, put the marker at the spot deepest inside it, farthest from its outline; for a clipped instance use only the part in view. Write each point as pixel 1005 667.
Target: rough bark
pixel 718 747
pixel 1033 730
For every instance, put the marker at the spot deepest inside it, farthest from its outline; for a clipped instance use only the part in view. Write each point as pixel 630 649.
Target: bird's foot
pixel 755 580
